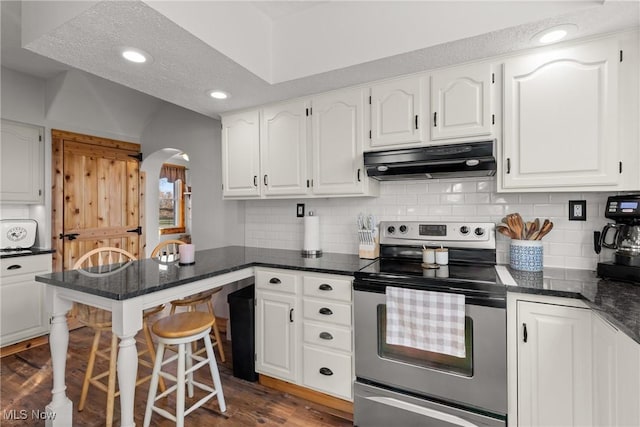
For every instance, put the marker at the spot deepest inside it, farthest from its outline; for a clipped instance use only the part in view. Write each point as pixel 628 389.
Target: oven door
pixel 478 381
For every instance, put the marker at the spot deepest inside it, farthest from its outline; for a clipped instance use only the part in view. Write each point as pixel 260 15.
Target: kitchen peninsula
pixel 149 282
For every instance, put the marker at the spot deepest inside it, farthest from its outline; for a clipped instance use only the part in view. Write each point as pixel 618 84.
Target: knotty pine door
pixel 96 196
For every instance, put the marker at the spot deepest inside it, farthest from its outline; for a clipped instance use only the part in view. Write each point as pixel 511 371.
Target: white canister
pixel 442 256
pixel 428 256
pixel 187 253
pixel 526 255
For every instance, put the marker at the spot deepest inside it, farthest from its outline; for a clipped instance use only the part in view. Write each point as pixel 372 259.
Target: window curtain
pixel 173 173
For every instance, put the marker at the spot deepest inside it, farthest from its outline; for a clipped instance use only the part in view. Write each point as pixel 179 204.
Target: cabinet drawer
pixel 25 265
pixel 327 371
pixel 327 336
pixel 327 311
pixel 331 288
pixel 276 281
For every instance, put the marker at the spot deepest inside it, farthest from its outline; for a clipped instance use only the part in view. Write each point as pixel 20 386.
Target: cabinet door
pixel 276 335
pixel 241 155
pixel 627 381
pixel 21 163
pixel 604 372
pixel 283 149
pixel 554 365
pixel 560 118
pixel 461 102
pixel 396 113
pixel 338 135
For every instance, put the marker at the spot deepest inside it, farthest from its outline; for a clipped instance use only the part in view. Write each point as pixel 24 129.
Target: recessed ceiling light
pixel 554 34
pixel 135 55
pixel 218 94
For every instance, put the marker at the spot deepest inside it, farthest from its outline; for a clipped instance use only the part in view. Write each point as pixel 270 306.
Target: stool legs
pixel 89 372
pixel 153 385
pixel 184 379
pixel 215 375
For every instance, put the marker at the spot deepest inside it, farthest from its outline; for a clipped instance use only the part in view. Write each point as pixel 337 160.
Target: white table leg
pixel 127 321
pixel 59 412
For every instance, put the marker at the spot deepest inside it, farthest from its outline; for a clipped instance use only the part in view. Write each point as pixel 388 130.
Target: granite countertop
pixel 149 275
pixel 24 252
pixel 618 302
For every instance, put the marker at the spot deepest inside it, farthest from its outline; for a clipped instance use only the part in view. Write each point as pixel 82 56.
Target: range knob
pixel 403 229
pixel 391 229
pixel 464 230
pixel 479 231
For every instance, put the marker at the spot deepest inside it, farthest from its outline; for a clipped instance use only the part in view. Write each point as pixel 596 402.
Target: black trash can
pixel 241 313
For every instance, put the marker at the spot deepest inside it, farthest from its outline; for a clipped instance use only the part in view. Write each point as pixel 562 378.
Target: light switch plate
pixel 300 210
pixel 577 210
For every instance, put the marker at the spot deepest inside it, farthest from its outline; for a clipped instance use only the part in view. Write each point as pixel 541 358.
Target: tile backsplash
pixel 273 223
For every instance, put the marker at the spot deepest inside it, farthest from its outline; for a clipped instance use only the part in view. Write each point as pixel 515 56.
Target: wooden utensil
pixel 545 229
pixel 502 229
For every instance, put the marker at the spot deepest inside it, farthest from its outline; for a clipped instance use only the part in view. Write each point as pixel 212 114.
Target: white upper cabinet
pixel 561 119
pixel 22 165
pixel 241 155
pixel 397 113
pixel 283 149
pixel 338 127
pixel 461 102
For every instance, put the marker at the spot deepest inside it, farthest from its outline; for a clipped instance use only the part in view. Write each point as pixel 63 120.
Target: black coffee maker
pixel 623 236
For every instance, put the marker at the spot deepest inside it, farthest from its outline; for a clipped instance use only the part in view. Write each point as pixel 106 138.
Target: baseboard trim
pixel 344 407
pixel 24 345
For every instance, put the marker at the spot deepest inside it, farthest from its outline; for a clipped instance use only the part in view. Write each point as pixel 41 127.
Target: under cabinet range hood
pixel 443 161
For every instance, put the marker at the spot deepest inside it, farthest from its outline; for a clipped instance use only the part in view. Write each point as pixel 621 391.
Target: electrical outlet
pixel 300 210
pixel 577 210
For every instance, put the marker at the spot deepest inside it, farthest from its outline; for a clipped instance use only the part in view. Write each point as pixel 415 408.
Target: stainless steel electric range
pixel 397 385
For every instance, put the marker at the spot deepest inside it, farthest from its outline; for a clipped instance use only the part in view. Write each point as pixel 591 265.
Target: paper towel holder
pixel 311 253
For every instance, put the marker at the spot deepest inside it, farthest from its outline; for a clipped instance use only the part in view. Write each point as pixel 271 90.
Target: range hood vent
pixel 444 161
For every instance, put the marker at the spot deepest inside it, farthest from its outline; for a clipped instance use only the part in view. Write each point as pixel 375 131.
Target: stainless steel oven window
pixel 443 362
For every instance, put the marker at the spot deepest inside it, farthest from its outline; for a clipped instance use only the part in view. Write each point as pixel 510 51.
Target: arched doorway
pixel 152 166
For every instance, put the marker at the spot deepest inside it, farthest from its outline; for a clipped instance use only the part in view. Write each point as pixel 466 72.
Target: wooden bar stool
pixel 191 302
pixel 181 330
pixel 101 262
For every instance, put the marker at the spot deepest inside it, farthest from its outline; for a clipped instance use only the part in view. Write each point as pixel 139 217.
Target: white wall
pixel 215 223
pixel 273 224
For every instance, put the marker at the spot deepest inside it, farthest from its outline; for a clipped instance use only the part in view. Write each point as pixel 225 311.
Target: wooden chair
pixel 168 248
pixel 105 261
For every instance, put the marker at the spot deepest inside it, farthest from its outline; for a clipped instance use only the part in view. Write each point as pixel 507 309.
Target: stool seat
pixel 183 324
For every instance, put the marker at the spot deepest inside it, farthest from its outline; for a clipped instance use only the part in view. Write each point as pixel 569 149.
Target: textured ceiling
pixel 188 68
pixel 279 9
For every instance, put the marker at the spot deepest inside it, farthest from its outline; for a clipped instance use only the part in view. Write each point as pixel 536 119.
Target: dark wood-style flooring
pixel 26 381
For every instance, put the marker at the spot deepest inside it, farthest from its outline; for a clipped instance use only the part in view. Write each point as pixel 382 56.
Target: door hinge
pixel 493 78
pixel 137 230
pixel 620 167
pixel 70 236
pixel 620 55
pixel 369 99
pixel 136 156
pixel 493 119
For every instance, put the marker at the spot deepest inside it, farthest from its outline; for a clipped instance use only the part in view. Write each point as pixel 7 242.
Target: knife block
pixel 366 251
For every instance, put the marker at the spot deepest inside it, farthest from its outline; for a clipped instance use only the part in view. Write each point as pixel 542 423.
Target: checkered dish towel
pixel 430 321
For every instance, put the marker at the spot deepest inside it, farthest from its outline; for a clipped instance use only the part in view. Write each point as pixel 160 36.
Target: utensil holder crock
pixel 525 255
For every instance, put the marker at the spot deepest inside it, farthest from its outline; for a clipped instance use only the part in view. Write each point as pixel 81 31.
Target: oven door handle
pixel 427 412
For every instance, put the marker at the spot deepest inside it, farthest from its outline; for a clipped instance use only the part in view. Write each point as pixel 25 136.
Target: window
pixel 171 218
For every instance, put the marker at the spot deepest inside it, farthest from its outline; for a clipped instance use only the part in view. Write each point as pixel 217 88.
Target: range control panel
pixel 453 234
pixel 623 208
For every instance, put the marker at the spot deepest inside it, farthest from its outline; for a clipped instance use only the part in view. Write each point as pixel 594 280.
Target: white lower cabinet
pixel 304 330
pixel 569 367
pixel 554 365
pixel 23 312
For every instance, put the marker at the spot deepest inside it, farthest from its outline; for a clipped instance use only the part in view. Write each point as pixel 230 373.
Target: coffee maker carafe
pixel 623 236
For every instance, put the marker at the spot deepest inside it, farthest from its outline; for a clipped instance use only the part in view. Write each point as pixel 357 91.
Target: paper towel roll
pixel 311 234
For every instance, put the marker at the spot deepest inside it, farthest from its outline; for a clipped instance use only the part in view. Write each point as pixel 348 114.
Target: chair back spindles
pixel 167 249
